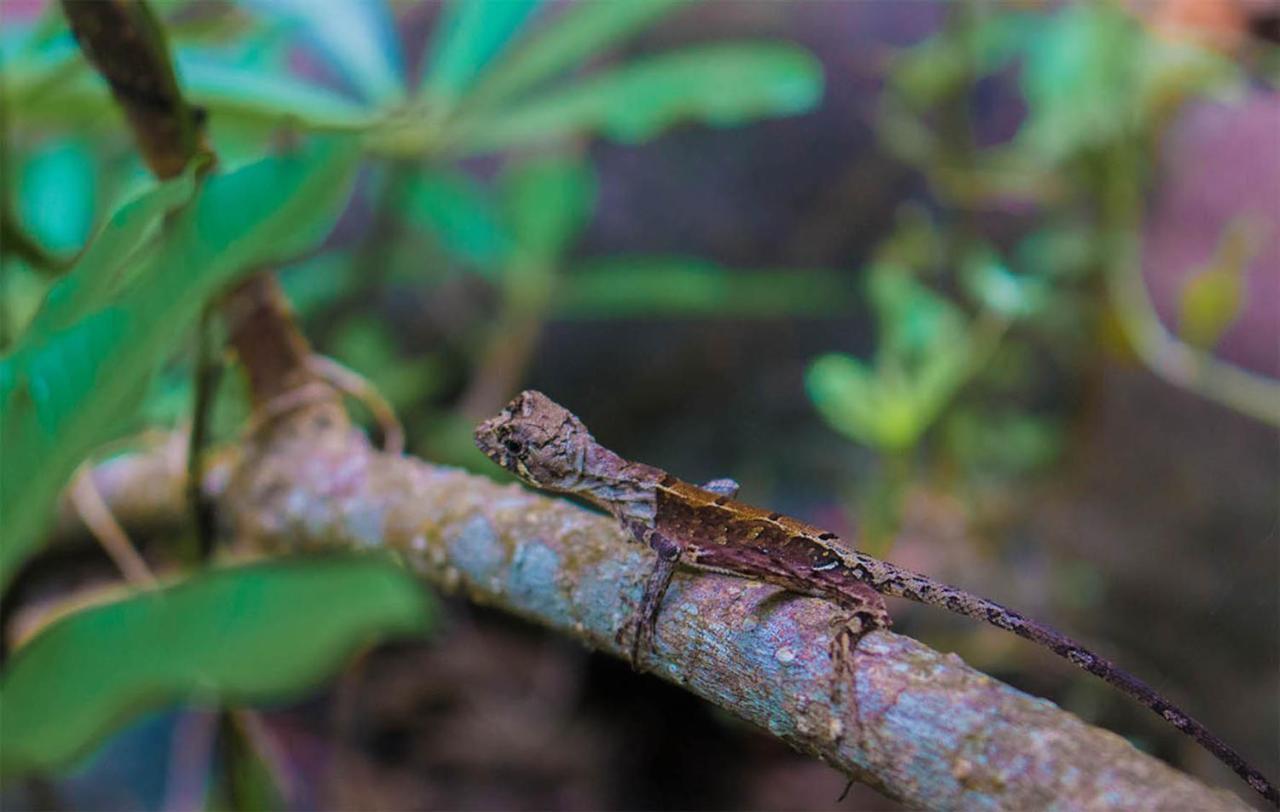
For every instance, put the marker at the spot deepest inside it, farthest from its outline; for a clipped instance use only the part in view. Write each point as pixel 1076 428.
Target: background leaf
pixel 846 394
pixel 244 635
pixel 246 94
pixel 1212 298
pixel 581 31
pixel 66 393
pixel 359 37
pixel 468 36
pixel 547 203
pixel 686 287
pixel 90 279
pixel 721 84
pixel 458 212
pixel 56 195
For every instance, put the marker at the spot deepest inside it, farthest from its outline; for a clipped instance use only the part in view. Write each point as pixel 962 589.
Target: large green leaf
pixel 87 284
pixel 684 287
pixel 66 392
pixel 723 84
pixel 580 32
pixel 250 634
pixel 469 35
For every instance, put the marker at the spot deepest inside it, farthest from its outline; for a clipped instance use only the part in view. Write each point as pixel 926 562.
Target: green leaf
pixel 56 195
pixel 1212 298
pixel 844 391
pixel 1080 79
pixel 251 95
pixel 877 408
pixel 580 32
pixel 685 287
pixel 317 282
pixel 723 84
pixel 89 281
pixel 65 393
pixel 359 37
pixel 1000 290
pixel 1092 76
pixel 941 65
pixel 914 322
pixel 547 203
pixel 469 35
pixel 262 633
pixel 996 442
pixel 458 212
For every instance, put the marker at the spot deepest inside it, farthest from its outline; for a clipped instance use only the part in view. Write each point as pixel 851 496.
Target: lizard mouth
pixel 486 437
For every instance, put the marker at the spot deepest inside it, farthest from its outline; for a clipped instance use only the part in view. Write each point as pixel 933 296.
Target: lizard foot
pixel 846 632
pixel 644 621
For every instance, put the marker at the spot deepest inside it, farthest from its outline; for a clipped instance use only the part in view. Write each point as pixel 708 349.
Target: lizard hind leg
pixel 865 614
pixel 644 621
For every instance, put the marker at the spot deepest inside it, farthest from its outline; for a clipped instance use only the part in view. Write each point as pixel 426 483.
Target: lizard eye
pixel 514 446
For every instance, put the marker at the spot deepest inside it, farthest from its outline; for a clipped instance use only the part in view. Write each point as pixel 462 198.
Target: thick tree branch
pixel 926 728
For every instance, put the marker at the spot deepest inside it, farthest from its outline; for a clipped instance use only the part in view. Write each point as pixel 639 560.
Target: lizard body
pixel 705 528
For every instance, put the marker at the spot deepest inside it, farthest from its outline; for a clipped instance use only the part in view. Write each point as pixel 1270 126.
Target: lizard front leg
pixel 644 620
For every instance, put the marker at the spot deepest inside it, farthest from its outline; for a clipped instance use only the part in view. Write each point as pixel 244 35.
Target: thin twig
pixel 103 526
pixel 359 387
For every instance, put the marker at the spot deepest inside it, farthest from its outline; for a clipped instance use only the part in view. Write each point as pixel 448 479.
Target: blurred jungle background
pixel 994 286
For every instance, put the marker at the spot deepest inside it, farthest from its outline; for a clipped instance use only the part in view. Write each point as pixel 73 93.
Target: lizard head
pixel 538 440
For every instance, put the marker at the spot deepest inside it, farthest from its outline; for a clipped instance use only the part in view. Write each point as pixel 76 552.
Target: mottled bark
pixel 927 729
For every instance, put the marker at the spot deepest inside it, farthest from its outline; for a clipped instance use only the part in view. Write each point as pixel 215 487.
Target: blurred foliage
pixel 241 634
pixel 105 272
pixel 1212 297
pixel 952 305
pixel 466 171
pixel 78 373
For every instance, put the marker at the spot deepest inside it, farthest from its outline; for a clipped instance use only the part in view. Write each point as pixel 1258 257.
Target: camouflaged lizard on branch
pixel 705 528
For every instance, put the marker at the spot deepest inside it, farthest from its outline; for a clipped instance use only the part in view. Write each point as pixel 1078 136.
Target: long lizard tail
pixel 889 579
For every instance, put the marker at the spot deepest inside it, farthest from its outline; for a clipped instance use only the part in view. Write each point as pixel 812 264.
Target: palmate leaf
pixel 248 634
pixel 359 37
pixel 65 392
pixel 469 36
pixel 580 32
pixel 252 96
pixel 722 84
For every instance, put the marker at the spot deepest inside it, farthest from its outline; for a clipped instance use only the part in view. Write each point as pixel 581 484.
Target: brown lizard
pixel 705 528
